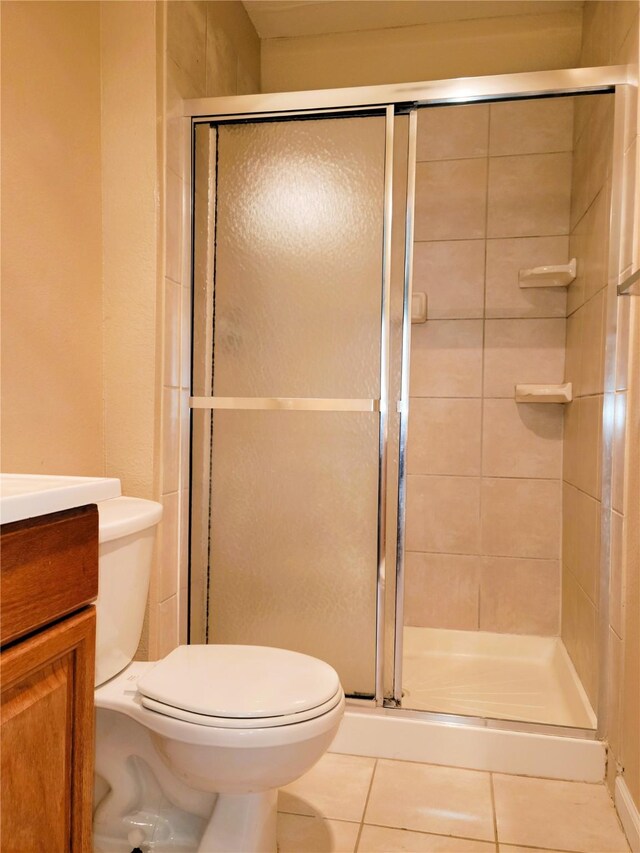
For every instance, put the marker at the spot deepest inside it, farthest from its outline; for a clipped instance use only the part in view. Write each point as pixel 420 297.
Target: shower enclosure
pixel 375 271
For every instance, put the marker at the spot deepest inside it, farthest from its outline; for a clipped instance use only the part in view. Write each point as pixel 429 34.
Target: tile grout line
pixel 458 767
pixel 507 847
pixel 317 816
pixel 492 476
pixel 483 368
pixel 496 238
pixel 480 556
pixel 432 834
pixel 469 317
pixel 497 156
pixel 366 803
pixel 504 396
pixel 493 811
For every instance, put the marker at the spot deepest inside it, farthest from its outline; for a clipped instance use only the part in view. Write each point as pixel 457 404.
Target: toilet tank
pixel 127 530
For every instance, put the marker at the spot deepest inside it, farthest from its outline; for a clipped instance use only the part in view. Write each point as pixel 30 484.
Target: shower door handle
pixel 290 404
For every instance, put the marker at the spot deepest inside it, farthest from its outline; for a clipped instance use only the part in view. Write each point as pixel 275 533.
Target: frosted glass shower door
pixel 288 266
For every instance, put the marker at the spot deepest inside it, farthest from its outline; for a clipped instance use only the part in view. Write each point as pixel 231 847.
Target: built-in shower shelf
pixel 544 393
pixel 556 275
pixel 418 307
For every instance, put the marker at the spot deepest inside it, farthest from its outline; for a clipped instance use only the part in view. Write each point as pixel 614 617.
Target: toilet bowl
pixel 191 749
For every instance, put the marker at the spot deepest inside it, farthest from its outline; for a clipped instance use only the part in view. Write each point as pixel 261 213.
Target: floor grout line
pixel 432 764
pixel 493 811
pixel 507 847
pixel 366 803
pixel 599 783
pixel 431 833
pixel 318 816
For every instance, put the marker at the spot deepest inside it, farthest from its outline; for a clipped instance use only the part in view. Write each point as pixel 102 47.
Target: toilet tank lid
pixel 122 516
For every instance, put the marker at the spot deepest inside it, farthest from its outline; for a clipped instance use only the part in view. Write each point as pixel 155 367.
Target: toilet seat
pixel 239 687
pixel 241 722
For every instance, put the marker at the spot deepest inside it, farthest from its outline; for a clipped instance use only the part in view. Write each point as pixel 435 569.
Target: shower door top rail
pixel 527 84
pixel 291 404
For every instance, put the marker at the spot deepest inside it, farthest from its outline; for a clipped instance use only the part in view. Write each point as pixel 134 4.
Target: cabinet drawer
pixel 49 569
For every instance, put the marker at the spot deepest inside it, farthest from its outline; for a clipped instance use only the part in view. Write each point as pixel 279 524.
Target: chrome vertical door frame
pixel 385 345
pixel 403 406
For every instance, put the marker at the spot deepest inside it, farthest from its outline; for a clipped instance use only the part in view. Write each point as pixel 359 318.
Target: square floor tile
pixel 336 787
pixel 556 815
pixel 433 799
pixel 301 834
pixel 379 839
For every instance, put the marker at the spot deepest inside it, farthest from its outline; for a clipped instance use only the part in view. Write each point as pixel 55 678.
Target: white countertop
pixel 28 495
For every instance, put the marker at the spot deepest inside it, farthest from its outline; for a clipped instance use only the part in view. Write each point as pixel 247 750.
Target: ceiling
pixel 290 18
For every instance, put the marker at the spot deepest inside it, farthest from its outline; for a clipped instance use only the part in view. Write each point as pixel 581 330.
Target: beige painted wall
pixel 52 406
pixel 131 233
pixel 425 52
pixel 81 241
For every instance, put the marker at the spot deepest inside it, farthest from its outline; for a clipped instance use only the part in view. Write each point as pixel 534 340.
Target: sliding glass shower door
pixel 290 386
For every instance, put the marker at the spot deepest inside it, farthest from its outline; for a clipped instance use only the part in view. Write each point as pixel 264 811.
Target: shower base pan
pixel 502 676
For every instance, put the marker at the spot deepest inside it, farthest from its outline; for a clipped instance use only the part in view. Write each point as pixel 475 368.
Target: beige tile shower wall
pixel 586 315
pixel 624 699
pixel 611 35
pixel 210 49
pixel 484 488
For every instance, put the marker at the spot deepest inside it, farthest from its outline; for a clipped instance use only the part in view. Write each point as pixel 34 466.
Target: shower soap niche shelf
pixel 558 275
pixel 418 307
pixel 544 393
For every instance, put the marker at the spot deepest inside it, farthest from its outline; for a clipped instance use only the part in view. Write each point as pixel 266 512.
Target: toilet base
pixel 242 823
pixel 170 786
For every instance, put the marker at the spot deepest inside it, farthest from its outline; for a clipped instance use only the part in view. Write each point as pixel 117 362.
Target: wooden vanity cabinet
pixel 49 574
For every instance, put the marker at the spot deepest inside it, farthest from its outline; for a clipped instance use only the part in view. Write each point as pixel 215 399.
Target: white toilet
pixel 190 750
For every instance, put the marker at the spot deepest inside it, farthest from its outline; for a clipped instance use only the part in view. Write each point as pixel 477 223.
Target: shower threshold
pixel 502 676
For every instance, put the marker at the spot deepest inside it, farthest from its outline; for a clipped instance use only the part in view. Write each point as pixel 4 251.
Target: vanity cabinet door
pixel 47 723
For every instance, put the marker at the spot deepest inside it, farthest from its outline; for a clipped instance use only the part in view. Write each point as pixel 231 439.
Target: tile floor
pixel 349 803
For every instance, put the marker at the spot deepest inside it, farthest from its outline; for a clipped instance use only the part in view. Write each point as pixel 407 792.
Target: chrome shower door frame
pixel 406 97
pixel 379 405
